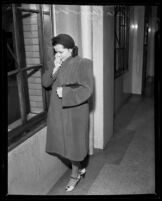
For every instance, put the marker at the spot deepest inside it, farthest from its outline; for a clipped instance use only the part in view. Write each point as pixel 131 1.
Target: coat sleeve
pixel 48 78
pixel 82 90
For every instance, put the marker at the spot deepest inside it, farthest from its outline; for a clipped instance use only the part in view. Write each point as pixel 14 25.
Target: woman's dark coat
pixel 68 117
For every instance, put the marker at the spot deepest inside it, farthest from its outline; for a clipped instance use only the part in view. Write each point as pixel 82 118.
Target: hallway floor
pixel 126 165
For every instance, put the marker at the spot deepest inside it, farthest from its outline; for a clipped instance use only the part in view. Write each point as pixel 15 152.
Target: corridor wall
pixel 31 171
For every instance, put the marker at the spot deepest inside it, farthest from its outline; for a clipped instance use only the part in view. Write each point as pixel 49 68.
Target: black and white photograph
pixel 83 99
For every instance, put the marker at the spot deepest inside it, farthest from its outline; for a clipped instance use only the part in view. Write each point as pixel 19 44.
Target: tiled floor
pixel 126 165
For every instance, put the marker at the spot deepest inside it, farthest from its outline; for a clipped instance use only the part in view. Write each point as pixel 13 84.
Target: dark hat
pixel 65 40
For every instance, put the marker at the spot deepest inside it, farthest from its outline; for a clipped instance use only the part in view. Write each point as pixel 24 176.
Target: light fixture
pixel 134 26
pixel 149 29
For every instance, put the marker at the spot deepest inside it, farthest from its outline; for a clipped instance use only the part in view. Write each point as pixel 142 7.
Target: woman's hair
pixel 67 41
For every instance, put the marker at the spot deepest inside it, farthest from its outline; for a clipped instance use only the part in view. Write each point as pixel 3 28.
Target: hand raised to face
pixel 58 60
pixel 57 63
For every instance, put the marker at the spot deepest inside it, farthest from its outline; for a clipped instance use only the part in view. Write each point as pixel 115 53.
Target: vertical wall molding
pixel 97 19
pixel 137 50
pixel 87 48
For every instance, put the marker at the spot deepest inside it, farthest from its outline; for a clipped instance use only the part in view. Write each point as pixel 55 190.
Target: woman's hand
pixel 59 92
pixel 57 62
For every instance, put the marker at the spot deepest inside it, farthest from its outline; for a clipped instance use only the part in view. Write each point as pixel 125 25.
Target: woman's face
pixel 62 52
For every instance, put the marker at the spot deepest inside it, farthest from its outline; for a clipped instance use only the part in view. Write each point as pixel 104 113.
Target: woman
pixel 68 114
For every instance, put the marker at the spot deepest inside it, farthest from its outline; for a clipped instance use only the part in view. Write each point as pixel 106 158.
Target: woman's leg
pixel 75 176
pixel 75 168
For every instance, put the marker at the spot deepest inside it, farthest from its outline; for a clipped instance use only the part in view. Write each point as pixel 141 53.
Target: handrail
pixel 12 54
pixel 23 69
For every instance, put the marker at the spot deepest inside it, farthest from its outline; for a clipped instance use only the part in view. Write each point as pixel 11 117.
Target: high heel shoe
pixel 82 172
pixel 72 183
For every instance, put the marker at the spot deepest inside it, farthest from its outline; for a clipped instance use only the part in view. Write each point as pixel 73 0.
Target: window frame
pixel 121 13
pixel 31 126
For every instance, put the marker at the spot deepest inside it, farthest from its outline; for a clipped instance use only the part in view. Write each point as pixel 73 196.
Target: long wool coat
pixel 68 117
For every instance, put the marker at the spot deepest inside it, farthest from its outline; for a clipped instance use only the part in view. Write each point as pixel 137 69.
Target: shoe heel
pixel 83 173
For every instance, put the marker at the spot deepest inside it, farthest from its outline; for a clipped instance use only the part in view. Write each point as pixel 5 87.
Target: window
pixel 27 32
pixel 121 39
